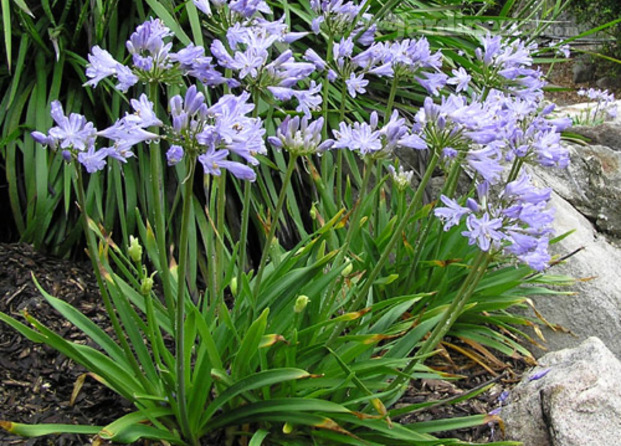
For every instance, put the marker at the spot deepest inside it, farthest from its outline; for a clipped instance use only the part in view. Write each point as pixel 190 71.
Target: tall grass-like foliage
pixel 43 60
pixel 313 343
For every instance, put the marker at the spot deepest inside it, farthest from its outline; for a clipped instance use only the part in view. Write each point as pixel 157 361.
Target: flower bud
pixel 300 303
pixel 313 213
pixel 233 286
pixel 287 428
pixel 147 285
pixel 134 250
pixel 348 269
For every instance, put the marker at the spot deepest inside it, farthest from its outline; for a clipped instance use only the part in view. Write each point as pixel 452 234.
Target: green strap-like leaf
pixel 38 430
pixel 256 381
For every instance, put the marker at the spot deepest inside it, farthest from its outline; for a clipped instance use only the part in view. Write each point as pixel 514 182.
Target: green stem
pixel 411 210
pixel 98 268
pixel 449 317
pixel 344 248
pixel 275 219
pixel 326 87
pixel 451 182
pixel 241 267
pixel 391 98
pixel 378 198
pixel 180 305
pixel 515 169
pixel 159 222
pixel 221 202
pixel 339 155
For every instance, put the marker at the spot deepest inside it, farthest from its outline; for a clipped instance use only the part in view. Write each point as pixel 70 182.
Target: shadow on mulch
pixel 36 382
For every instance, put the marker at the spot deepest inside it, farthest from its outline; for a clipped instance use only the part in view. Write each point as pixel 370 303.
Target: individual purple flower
pixel 308 100
pixel 248 8
pixel 460 80
pixel 484 231
pixel 356 84
pixel 523 191
pixel 174 155
pixel 73 132
pixel 100 65
pixel 433 82
pixel 93 160
pixel 538 375
pixel 203 6
pixel 214 160
pixel 144 116
pixel 452 213
pixel 486 162
pixel 44 140
pixel 503 396
pixel 314 58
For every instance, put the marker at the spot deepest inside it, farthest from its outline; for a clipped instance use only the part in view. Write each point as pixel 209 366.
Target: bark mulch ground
pixel 36 382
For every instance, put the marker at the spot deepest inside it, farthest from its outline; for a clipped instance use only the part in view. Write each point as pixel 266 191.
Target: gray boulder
pixel 594 307
pixel 592 184
pixel 576 403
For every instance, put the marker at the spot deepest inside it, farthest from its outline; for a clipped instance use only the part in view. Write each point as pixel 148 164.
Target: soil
pixel 561 75
pixel 36 382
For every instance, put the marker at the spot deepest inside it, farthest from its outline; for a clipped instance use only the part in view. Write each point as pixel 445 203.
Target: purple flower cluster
pixel 512 61
pixel 213 133
pixel 342 18
pixel 408 58
pixel 209 134
pixel 300 137
pixel 251 44
pixel 516 219
pixel 152 60
pixel 605 108
pixel 494 132
pixel 75 136
pixel 241 9
pixel 369 140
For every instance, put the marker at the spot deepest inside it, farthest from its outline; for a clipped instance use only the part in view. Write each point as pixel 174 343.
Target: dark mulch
pixel 36 382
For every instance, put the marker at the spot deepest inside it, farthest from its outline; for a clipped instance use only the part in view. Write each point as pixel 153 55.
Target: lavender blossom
pixel 147 46
pixel 356 84
pixel 174 155
pixel 538 375
pixel 461 79
pixel 452 213
pixel 102 64
pixel 73 132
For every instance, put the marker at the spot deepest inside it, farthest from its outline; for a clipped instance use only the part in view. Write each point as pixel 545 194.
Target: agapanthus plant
pixel 308 345
pixel 604 107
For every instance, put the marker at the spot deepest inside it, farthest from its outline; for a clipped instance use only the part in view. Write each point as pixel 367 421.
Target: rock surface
pixel 588 202
pixel 594 308
pixel 577 403
pixel 592 184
